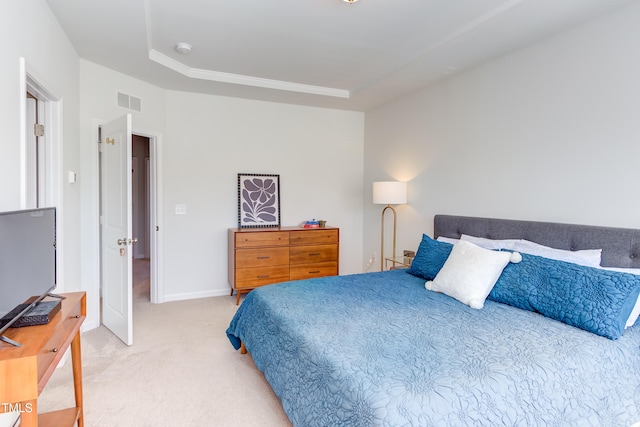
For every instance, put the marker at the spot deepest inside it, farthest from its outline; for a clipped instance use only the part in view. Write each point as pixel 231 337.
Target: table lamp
pixel 389 193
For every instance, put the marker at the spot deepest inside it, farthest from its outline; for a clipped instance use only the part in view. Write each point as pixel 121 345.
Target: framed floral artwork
pixel 258 200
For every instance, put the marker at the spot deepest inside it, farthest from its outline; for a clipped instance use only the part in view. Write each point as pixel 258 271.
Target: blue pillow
pixel 592 299
pixel 429 258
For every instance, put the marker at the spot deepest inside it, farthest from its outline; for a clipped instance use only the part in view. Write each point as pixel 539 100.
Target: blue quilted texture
pixel 595 300
pixel 430 258
pixel 377 350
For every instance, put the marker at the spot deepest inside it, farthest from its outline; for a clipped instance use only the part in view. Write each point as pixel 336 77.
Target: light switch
pixel 181 209
pixel 72 177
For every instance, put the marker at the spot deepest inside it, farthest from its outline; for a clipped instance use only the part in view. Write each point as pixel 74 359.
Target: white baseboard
pixel 196 295
pixel 89 325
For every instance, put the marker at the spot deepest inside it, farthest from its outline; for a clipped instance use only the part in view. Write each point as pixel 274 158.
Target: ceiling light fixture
pixel 183 48
pixel 350 1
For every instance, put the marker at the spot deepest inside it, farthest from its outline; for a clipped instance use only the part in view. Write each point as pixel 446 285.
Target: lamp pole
pixel 382 235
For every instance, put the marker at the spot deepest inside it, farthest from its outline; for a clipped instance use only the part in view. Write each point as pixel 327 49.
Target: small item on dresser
pixel 311 224
pixel 322 223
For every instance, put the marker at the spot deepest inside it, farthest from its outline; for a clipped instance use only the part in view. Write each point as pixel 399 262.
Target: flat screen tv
pixel 27 261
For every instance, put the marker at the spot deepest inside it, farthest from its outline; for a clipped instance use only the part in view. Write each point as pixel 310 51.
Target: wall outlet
pixel 181 209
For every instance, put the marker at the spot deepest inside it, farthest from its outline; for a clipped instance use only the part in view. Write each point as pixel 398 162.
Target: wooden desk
pixel 25 370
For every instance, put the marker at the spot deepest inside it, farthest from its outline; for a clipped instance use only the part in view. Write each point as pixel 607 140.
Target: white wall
pixel 206 141
pixel 31 32
pixel 98 99
pixel 210 139
pixel 550 132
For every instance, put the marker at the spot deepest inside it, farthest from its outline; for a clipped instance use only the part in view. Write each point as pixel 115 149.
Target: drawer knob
pixel 54 350
pixel 314 254
pixel 263 277
pixel 77 316
pixel 314 272
pixel 264 257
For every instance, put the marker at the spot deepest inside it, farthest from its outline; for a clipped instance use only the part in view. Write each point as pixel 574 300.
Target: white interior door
pixel 116 244
pixel 32 155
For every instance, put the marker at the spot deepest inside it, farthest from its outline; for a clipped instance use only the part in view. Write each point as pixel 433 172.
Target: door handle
pixel 125 241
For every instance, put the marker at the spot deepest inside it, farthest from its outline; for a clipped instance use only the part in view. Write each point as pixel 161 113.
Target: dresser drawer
pixel 261 238
pixel 49 351
pixel 261 257
pixel 313 236
pixel 258 257
pixel 308 271
pixel 56 342
pixel 248 278
pixel 313 253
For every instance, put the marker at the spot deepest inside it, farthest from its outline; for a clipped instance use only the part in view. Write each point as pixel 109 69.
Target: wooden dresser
pixel 25 370
pixel 261 256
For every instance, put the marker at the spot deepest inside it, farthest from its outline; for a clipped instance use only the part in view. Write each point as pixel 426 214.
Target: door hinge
pixel 38 129
pixel 99 146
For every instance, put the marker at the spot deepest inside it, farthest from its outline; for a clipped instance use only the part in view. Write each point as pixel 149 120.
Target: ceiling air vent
pixel 129 102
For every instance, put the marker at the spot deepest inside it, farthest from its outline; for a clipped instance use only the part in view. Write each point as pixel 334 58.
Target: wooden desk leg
pixel 29 413
pixel 77 376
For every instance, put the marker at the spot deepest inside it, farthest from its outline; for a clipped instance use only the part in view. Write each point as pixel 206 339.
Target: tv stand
pixel 26 370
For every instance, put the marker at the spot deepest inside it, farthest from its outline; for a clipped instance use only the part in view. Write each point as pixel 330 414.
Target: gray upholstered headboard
pixel 620 246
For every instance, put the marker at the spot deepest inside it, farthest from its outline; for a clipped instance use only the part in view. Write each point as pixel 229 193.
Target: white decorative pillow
pixel 490 243
pixel 470 272
pixel 587 257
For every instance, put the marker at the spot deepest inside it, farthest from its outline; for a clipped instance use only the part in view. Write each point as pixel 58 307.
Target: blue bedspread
pixel 378 349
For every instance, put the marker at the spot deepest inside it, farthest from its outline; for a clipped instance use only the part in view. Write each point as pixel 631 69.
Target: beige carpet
pixel 181 371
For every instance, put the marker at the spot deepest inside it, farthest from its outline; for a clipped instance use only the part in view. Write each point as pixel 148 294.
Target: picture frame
pixel 258 200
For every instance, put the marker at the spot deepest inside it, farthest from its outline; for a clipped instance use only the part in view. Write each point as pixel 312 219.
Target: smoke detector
pixel 183 48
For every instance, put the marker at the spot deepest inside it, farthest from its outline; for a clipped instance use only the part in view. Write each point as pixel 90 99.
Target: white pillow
pixel 470 272
pixel 490 243
pixel 588 257
pixel 447 240
pixel 635 313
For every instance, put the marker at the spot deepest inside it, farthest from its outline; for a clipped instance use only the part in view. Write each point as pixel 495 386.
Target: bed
pixel 378 349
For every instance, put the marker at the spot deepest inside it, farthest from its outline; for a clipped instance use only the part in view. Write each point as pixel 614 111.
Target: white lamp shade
pixel 390 193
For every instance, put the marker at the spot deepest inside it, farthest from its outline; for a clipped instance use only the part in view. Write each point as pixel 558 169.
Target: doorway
pixel 41 156
pixel 140 218
pixel 129 223
pixel 40 145
pixel 35 153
